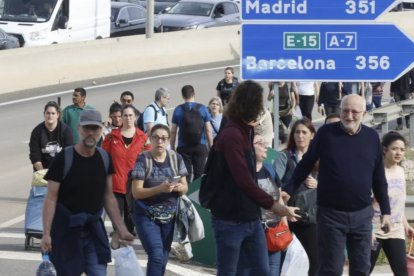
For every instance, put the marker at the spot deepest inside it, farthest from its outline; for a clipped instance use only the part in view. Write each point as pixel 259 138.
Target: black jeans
pixel 401 97
pixel 332 109
pixel 123 208
pixel 194 159
pixel 337 229
pixel 394 249
pixel 308 237
pixel 306 105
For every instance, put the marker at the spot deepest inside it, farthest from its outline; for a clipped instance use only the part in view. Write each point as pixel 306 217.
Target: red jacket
pixel 124 158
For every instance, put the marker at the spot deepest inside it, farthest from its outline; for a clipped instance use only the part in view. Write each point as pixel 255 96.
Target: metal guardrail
pixel 380 117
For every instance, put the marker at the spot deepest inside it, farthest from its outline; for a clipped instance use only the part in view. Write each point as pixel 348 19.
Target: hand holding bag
pixel 278 237
pixel 37 178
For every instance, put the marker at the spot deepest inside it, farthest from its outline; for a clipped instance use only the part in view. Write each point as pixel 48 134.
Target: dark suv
pixel 8 41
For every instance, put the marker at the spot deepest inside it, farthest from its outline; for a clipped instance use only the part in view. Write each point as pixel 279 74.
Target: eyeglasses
pixel 260 143
pixel 353 112
pixel 158 138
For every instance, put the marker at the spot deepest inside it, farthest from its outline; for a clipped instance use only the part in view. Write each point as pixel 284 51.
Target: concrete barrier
pixel 64 63
pixel 27 68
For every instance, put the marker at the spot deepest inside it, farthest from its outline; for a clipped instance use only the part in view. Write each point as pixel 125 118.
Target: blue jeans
pixel 274 263
pixel 156 238
pixel 240 246
pixel 337 229
pixel 92 267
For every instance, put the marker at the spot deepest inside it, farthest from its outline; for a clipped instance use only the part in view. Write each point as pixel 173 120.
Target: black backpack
pixel 192 126
pixel 140 121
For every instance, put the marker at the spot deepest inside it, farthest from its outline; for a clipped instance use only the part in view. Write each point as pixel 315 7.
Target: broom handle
pixel 410 247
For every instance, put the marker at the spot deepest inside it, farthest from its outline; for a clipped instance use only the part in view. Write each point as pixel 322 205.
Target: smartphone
pixel 175 179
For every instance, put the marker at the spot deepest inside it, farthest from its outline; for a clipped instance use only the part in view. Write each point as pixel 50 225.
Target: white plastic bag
pixel 126 262
pixel 296 261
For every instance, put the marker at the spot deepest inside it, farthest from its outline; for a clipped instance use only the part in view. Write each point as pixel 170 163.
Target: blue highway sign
pixel 346 52
pixel 315 9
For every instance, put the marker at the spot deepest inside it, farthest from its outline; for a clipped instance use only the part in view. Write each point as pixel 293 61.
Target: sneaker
pixel 399 127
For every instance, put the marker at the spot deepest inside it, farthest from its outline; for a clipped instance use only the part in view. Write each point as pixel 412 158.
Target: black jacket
pixel 238 196
pixel 404 85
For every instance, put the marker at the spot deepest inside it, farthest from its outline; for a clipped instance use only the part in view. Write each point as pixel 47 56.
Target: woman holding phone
pixel 158 179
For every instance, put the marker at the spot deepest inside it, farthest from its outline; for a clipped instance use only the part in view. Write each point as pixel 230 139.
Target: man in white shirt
pixel 156 113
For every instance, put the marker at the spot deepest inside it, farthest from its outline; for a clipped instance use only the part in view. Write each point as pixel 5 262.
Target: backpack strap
pixel 214 128
pixel 155 111
pixel 69 159
pixel 148 163
pixel 105 158
pixel 173 161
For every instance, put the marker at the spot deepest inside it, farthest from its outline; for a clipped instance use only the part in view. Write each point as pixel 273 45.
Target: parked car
pixel 129 19
pixel 405 6
pixel 197 14
pixel 8 41
pixel 159 5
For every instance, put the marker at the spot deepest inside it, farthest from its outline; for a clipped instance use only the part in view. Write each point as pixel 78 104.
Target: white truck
pixel 44 22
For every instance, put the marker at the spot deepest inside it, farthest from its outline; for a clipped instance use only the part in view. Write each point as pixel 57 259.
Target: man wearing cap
pixel 73 231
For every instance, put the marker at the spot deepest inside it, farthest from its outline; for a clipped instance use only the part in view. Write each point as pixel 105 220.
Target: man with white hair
pixel 156 113
pixel 350 169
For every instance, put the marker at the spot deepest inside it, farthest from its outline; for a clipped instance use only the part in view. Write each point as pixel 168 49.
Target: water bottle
pixel 46 267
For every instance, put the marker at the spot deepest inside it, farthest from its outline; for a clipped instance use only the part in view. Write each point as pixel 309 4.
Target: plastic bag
pixel 126 262
pixel 296 261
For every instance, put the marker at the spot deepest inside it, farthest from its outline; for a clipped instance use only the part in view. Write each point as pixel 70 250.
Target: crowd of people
pixel 353 183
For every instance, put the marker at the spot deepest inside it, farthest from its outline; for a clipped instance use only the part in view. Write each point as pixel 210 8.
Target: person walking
pixel 115 119
pixel 377 93
pixel 71 113
pixel 329 98
pixel 192 119
pixel 350 169
pixel 271 184
pixel 48 138
pixel 287 105
pixel 308 92
pixel 403 89
pixel 158 179
pixel 215 108
pixel 124 145
pixel 156 113
pixel 393 242
pixel 300 137
pixel 226 86
pixel 73 230
pixel 235 205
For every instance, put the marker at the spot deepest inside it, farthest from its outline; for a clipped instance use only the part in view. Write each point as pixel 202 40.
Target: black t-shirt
pixel 226 89
pixel 84 187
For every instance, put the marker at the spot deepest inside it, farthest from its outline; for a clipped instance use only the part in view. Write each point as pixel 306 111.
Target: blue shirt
pixel 178 119
pixel 350 167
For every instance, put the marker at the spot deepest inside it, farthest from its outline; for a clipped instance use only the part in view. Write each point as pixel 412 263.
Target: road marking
pixel 11 222
pixel 114 83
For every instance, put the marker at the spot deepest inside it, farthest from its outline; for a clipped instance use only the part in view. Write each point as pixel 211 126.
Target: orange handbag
pixel 278 237
pixel 410 258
